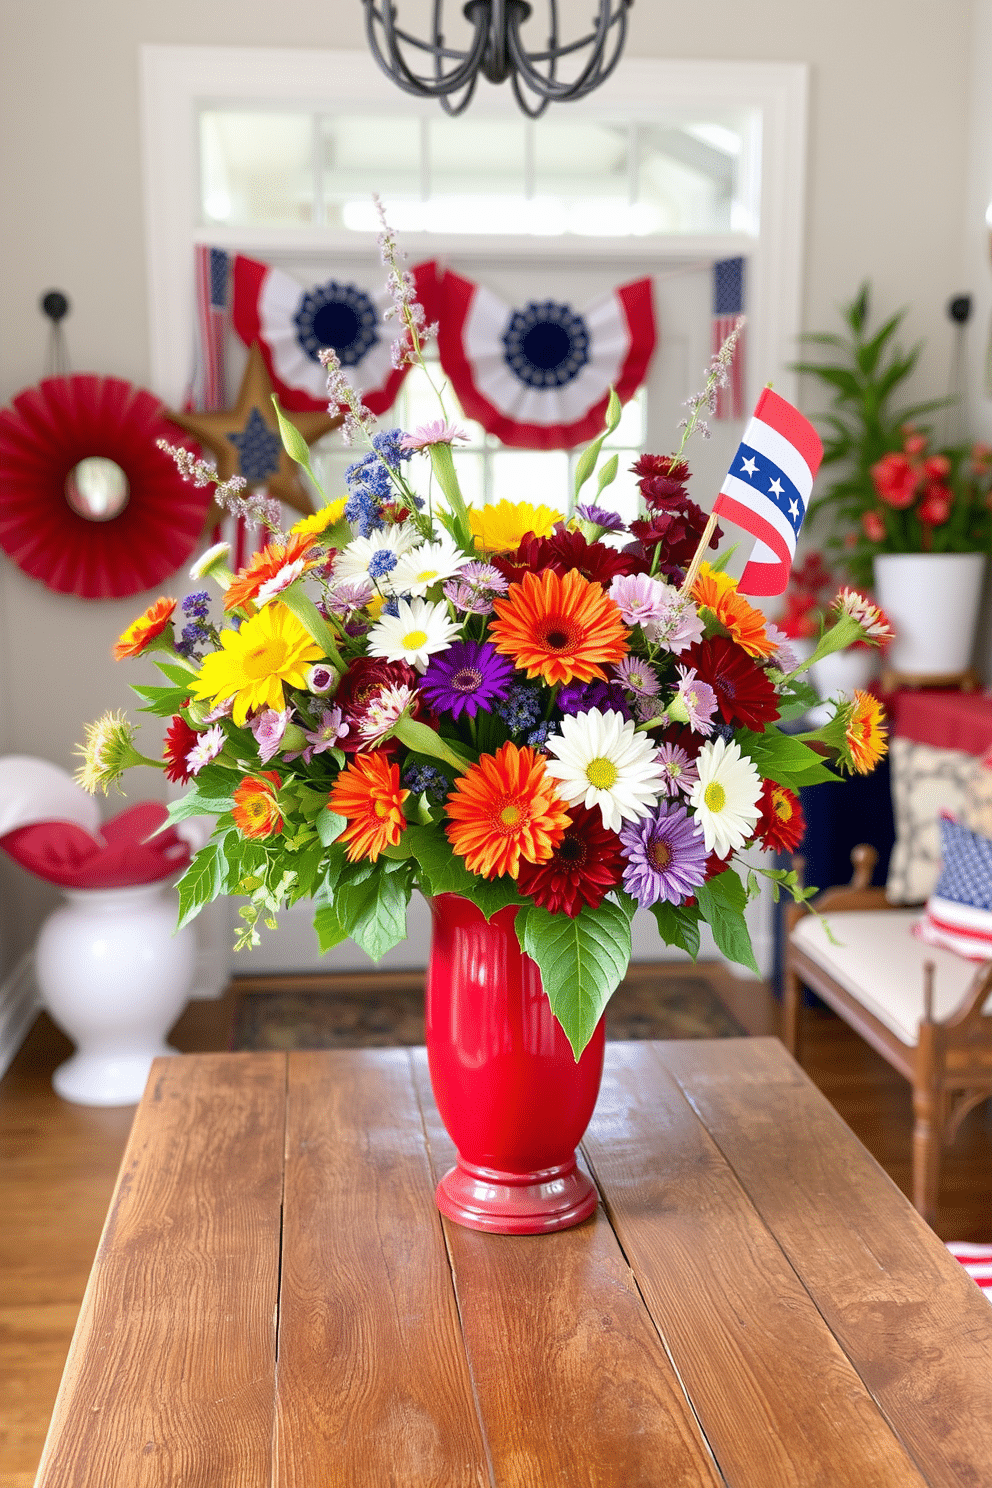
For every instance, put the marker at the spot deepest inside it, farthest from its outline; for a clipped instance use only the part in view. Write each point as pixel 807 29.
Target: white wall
pixel 890 123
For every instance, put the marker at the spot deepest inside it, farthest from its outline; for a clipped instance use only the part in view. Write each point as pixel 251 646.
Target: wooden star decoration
pixel 244 440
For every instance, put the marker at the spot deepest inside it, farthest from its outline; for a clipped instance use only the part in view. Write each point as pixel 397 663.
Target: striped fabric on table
pixel 976 1260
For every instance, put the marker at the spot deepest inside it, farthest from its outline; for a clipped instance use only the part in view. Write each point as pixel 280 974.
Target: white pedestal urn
pixel 114 974
pixel 844 671
pixel 933 601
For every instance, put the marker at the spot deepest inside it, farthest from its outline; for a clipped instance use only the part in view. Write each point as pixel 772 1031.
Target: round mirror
pixel 97 489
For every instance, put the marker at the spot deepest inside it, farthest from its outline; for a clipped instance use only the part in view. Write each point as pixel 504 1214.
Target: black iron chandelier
pixel 431 69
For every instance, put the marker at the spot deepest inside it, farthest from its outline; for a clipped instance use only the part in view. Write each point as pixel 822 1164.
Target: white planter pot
pixel 843 672
pixel 114 974
pixel 933 601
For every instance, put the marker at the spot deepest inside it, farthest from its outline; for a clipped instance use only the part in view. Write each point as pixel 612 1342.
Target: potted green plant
pixel 908 515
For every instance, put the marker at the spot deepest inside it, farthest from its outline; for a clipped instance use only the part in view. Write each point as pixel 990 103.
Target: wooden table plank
pixel 573 1383
pixel 372 1384
pixel 916 1327
pixel 169 1377
pixel 780 1403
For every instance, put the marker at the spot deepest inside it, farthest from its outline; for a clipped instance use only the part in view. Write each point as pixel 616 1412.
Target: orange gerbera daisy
pixel 559 627
pixel 256 811
pixel 268 564
pixel 141 632
pixel 503 809
pixel 717 591
pixel 368 794
pixel 864 733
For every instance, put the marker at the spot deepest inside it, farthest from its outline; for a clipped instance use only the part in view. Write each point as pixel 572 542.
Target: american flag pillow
pixel 977 1261
pixel 958 914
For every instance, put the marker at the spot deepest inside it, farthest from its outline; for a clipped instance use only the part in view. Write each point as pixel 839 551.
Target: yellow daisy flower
pixel 502 527
pixel 320 521
pixel 270 650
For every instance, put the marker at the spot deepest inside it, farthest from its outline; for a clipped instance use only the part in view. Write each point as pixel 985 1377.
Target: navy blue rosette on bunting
pixel 293 324
pixel 539 377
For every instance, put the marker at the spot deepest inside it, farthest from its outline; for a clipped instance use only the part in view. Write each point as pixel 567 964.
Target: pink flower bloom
pixel 678 769
pixel 697 699
pixel 207 748
pixel 268 728
pixel 383 712
pixel 641 600
pixel 435 432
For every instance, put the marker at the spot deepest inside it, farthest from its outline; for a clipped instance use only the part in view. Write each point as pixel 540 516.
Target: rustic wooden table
pixel 276 1301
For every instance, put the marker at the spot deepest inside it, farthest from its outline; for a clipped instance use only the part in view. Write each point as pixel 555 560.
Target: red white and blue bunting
pixel 539 376
pixel 292 324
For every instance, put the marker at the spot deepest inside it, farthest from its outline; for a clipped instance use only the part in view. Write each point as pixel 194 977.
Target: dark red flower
pixel 561 552
pixel 781 825
pixel 675 527
pixel 179 740
pixel 583 867
pixel 668 466
pixel 743 691
pixel 361 683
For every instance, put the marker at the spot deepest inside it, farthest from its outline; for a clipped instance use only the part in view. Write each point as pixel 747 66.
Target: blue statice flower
pixel 521 708
pixel 537 738
pixel 392 606
pixel 387 446
pixel 381 563
pixel 193 635
pixel 197 605
pixel 369 486
pixel 425 780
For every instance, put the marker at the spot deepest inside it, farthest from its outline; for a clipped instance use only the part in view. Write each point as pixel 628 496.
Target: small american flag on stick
pixel 728 307
pixel 767 489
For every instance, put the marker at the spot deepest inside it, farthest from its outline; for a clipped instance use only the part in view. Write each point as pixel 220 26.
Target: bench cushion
pixel 879 961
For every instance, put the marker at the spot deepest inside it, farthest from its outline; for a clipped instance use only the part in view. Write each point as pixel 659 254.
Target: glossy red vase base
pixel 517 1203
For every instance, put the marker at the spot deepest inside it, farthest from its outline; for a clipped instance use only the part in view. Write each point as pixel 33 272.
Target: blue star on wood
pixel 258 448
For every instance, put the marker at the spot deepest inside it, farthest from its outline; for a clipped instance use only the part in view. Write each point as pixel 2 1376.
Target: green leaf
pixel 373 912
pixel 678 926
pixel 721 901
pixel 162 701
pixel 330 826
pixel 307 864
pixel 293 442
pixel 440 871
pixel 330 931
pixel 196 805
pixel 784 758
pixel 179 675
pixel 607 474
pixel 202 882
pixel 582 962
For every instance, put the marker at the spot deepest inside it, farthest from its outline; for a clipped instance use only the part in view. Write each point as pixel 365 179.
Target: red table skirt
pixel 947 720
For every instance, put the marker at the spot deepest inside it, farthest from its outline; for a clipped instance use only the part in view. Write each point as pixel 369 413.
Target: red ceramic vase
pixel 507 1085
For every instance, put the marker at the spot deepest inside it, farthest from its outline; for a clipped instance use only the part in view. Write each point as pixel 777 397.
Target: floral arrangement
pixel 526 706
pixel 898 494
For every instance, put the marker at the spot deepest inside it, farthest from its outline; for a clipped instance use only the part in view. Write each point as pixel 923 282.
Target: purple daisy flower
pixel 637 676
pixel 580 697
pixel 666 856
pixel 678 769
pixel 599 516
pixel 468 676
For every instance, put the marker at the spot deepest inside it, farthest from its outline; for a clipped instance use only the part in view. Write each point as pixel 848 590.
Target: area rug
pixel 669 1007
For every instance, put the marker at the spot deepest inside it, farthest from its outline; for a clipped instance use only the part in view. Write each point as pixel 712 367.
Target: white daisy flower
pixel 429 564
pixel 414 633
pixel 725 798
pixel 353 561
pixel 602 762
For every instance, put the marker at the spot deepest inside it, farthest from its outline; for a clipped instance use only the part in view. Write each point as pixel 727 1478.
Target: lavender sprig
pixel 254 508
pixel 717 376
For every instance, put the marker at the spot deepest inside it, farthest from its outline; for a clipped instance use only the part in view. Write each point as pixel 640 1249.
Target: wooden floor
pixel 58 1163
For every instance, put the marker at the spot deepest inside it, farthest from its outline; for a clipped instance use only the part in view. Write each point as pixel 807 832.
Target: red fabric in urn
pixel 65 854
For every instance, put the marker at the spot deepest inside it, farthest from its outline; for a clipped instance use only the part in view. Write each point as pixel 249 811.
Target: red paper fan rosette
pixel 51 428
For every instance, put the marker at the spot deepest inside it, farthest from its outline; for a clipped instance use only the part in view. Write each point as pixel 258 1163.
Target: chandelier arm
pixel 524 103
pixel 396 67
pixel 590 76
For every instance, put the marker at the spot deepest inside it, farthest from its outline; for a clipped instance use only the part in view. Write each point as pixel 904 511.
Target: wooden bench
pixel 923 1009
pixel 276 1301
